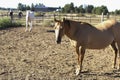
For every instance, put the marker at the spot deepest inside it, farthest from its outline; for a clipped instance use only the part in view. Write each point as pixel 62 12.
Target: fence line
pixel 41 20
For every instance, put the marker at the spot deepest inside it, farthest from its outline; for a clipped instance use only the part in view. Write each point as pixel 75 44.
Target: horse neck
pixel 68 31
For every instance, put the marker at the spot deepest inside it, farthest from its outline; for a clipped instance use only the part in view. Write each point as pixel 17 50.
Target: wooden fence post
pixel 102 17
pixel 90 19
pixel 43 21
pixel 108 16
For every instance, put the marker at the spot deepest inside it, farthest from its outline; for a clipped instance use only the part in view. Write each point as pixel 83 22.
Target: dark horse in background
pixel 86 36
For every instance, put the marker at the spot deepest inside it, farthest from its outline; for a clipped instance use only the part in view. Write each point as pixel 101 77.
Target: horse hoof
pixel 77 71
pixel 26 30
pixel 116 68
pixel 30 30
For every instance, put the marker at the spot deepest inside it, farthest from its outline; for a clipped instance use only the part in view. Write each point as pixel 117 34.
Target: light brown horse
pixel 86 36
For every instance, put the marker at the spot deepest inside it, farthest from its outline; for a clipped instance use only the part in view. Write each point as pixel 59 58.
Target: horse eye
pixel 54 27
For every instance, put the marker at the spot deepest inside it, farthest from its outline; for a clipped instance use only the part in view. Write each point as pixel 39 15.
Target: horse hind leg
pixel 118 46
pixel 118 43
pixel 26 26
pixel 115 51
pixel 30 26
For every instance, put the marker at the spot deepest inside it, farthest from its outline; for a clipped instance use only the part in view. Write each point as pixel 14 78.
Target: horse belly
pixel 97 46
pixel 100 42
pixel 73 43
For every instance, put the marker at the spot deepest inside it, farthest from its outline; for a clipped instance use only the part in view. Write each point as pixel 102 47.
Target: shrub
pixel 48 23
pixel 6 23
pixel 39 14
pixel 80 15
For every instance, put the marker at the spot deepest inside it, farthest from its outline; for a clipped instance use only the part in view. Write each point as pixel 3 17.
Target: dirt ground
pixel 35 56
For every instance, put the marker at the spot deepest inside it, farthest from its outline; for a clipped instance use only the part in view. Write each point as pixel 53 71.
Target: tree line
pixel 24 7
pixel 70 8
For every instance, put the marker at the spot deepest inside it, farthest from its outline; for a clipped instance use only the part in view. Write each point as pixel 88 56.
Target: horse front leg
pixel 119 53
pixel 80 59
pixel 30 26
pixel 78 66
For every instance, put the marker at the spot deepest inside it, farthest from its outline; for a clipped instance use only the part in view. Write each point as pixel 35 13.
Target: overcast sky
pixel 111 4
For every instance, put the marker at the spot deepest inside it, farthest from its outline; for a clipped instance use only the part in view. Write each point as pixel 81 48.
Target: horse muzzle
pixel 58 41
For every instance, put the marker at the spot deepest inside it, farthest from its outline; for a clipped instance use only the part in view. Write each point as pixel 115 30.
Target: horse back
pixel 116 31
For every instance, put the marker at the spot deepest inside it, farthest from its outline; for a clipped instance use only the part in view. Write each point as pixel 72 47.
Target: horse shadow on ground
pixel 88 75
pixel 51 31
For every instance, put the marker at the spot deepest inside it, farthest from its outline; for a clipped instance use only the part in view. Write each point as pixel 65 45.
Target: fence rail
pixel 41 20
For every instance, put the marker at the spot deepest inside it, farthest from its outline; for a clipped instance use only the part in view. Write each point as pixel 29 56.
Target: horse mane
pixel 67 21
pixel 85 23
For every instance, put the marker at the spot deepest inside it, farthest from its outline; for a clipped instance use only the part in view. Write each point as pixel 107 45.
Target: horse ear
pixel 56 20
pixel 63 19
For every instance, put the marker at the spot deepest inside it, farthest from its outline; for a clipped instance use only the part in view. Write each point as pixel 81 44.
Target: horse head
pixel 59 30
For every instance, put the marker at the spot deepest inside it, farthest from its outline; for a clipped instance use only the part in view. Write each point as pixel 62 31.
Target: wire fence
pixel 48 19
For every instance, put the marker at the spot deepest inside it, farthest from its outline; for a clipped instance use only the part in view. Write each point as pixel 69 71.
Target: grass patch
pixel 7 23
pixel 48 23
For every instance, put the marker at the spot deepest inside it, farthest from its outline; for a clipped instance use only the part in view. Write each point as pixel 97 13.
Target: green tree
pixel 117 11
pixel 68 8
pixel 89 8
pixel 77 10
pixel 104 9
pixel 32 7
pixel 20 6
pixel 100 10
pixel 27 7
pixel 82 10
pixel 62 10
pixel 72 9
